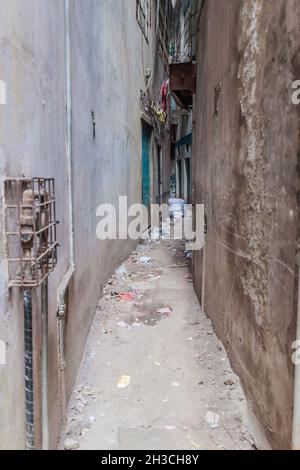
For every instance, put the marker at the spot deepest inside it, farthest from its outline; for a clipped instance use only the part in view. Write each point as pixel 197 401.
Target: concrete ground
pixel 154 376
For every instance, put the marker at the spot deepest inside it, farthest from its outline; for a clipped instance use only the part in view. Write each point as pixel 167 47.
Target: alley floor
pixel 154 376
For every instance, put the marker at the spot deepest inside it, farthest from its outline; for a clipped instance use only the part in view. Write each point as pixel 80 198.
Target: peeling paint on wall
pixel 255 279
pixel 246 170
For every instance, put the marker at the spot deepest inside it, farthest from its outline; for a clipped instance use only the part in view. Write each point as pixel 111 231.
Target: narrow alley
pixel 154 375
pixel 149 226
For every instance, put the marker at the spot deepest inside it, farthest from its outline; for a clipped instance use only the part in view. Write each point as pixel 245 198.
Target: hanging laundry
pixel 164 95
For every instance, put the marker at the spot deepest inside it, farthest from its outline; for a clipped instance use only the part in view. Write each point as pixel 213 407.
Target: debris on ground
pixel 229 382
pixel 188 276
pixel 121 272
pixel 124 381
pixel 145 259
pixel 177 208
pixel 153 326
pixel 71 444
pixel 212 419
pixel 166 311
pixel 175 384
pixel 126 296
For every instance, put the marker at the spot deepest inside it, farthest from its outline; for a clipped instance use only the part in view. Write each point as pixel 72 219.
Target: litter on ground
pixel 124 381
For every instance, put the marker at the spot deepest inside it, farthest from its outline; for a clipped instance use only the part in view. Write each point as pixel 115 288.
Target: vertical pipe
pixel 62 289
pixel 44 364
pixel 69 127
pixel 296 414
pixel 204 265
pixel 28 353
pixel 61 358
pixel 203 278
pixel 160 171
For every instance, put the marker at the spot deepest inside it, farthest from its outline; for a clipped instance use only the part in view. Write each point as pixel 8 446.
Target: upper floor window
pixel 143 16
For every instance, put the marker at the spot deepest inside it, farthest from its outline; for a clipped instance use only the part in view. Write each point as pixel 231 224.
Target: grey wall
pixel 246 171
pixel 107 77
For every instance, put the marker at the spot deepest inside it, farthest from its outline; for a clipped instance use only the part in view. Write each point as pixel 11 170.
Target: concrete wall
pixel 246 171
pixel 32 143
pixel 107 76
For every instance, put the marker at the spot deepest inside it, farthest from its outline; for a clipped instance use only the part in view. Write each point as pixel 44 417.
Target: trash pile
pixel 177 208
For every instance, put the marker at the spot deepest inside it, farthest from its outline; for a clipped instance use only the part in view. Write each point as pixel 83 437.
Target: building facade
pixel 246 172
pixel 183 59
pixel 74 76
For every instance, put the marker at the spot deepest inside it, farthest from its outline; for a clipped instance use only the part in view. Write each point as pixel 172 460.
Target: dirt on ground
pixel 154 376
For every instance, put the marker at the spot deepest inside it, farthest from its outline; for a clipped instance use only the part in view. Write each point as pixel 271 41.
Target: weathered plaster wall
pixel 246 171
pixel 107 76
pixel 32 142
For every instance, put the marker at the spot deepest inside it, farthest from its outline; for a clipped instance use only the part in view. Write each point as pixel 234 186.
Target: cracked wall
pixel 246 171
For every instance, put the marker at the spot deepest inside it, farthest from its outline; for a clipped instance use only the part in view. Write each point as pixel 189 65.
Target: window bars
pixel 143 16
pixel 30 230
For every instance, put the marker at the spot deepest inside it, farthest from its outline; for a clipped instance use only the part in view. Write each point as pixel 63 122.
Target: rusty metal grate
pixel 30 229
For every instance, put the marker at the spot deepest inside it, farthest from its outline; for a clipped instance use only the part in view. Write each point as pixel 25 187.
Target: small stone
pixel 80 407
pixel 88 393
pixel 71 444
pixel 175 384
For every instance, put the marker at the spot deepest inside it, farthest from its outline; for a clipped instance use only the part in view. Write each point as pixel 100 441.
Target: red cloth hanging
pixel 164 95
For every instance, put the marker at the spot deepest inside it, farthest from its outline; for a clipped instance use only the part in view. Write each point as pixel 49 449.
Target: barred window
pixel 143 16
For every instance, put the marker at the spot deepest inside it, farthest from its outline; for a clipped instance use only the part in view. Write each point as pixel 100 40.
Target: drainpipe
pixel 28 353
pixel 62 289
pixel 44 365
pixel 204 266
pixel 44 221
pixel 27 240
pixel 296 415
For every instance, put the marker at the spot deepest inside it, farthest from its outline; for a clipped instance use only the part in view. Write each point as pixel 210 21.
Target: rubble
pixel 212 419
pixel 133 301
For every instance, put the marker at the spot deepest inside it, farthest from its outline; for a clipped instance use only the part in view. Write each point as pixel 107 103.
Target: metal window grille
pixel 31 225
